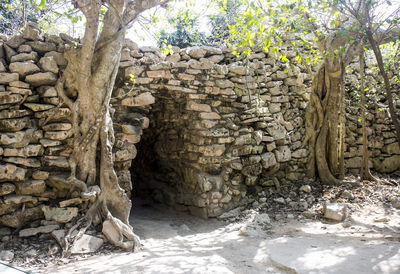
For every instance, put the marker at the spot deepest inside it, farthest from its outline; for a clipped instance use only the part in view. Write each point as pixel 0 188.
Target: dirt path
pixel 174 242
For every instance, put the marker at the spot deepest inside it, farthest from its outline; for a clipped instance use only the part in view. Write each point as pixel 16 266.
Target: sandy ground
pixel 174 242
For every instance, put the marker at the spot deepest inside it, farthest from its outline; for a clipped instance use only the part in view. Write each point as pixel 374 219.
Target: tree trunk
pixel 322 120
pixel 389 96
pixel 91 73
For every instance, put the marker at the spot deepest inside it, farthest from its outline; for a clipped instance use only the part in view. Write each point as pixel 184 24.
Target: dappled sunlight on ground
pixel 174 242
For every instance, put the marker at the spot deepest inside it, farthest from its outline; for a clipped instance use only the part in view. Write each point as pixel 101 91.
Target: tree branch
pixel 91 10
pixel 134 8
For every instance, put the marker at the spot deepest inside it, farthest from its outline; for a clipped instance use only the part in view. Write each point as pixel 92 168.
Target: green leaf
pixel 42 4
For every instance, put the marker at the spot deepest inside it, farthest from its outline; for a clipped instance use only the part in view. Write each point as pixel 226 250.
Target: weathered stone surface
pixel 70 202
pixel 9 172
pixel 56 161
pixel 277 131
pixel 6 188
pixel 8 98
pixel 62 114
pixel 283 154
pixel 42 47
pixel 86 244
pixel 48 64
pixel 12 137
pixel 58 135
pixel 212 150
pixel 237 69
pixel 60 215
pixel 58 57
pixel 129 129
pixel 27 162
pixel 305 188
pixel 31 187
pixel 15 41
pixel 268 160
pixel 143 99
pixel 7 208
pixel 40 175
pixel 23 57
pixel 9 51
pixel 28 232
pixel 24 68
pixel 32 32
pixel 335 211
pixel 60 182
pixel 6 77
pixel 128 153
pixel 133 139
pixel 21 217
pixel 6 255
pixel 41 78
pixel 49 143
pixel 198 107
pixel 196 52
pixel 57 126
pixel 389 164
pixel 18 199
pixel 27 151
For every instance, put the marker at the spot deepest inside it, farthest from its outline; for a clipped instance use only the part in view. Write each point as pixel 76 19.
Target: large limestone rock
pixel 8 98
pixel 24 68
pixel 42 47
pixel 9 172
pixel 21 217
pixel 31 187
pixel 48 64
pixel 389 164
pixel 6 77
pixel 23 57
pixel 6 188
pixel 32 32
pixel 28 232
pixel 41 78
pixel 27 151
pixel 283 154
pixel 268 160
pixel 14 124
pixel 335 211
pixel 143 99
pixel 277 131
pixel 86 244
pixel 60 215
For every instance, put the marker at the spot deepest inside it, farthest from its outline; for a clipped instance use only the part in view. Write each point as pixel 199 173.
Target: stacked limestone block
pixel 225 128
pixel 384 150
pixel 131 102
pixel 36 137
pixel 30 148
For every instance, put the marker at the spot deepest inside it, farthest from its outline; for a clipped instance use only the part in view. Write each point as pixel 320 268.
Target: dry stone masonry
pixel 211 131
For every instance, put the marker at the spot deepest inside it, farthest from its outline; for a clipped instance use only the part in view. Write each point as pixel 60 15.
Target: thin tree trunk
pixel 389 96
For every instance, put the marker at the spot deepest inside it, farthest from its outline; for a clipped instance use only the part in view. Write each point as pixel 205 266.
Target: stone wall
pixel 211 131
pixel 222 129
pixel 35 132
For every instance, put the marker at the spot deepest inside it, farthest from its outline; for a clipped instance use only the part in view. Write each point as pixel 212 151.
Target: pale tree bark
pixel 324 138
pixel 90 75
pixel 324 114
